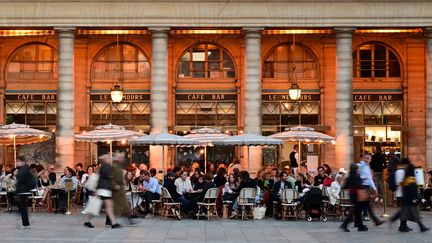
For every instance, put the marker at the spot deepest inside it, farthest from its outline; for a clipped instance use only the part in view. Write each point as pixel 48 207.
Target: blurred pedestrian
pixel 25 183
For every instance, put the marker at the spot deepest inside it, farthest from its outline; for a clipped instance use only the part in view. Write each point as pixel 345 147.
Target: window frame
pixel 223 74
pixel 357 63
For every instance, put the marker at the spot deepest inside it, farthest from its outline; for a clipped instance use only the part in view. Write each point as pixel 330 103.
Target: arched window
pixel 278 64
pixel 33 61
pixel 206 61
pixel 375 61
pixel 125 59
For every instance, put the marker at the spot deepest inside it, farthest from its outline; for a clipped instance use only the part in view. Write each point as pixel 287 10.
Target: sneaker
pixel 381 200
pixel 24 227
pixel 366 218
pixel 114 226
pixel 376 199
pixel 88 225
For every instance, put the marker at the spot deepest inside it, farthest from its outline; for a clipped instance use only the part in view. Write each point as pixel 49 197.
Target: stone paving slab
pixel 62 228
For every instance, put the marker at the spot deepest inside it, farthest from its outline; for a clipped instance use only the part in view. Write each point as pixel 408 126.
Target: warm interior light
pixel 184 132
pixel 333 142
pixel 205 31
pixel 4 33
pixel 116 93
pixel 111 32
pixel 387 31
pixel 41 136
pixel 123 141
pixel 294 92
pixel 298 31
pixel 202 151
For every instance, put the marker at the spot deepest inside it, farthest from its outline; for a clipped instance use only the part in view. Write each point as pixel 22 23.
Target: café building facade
pixel 365 75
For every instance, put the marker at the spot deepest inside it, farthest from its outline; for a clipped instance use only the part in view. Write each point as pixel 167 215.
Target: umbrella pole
pixel 110 151
pixel 248 159
pixel 163 163
pixel 299 157
pixel 205 159
pixel 14 144
pixel 130 153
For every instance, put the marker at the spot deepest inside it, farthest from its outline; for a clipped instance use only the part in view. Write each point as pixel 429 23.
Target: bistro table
pixel 134 205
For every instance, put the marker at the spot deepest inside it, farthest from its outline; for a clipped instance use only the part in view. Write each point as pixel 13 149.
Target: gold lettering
pixel 218 97
pixel 195 97
pixel 283 97
pixel 25 97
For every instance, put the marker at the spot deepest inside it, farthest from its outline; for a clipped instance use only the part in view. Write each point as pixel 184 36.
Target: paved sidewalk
pixel 61 228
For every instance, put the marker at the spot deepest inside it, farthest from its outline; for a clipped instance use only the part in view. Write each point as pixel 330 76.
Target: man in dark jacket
pixel 177 197
pixel 377 165
pixel 25 183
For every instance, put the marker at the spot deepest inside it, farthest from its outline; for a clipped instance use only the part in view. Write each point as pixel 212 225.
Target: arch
pixel 376 60
pixel 128 62
pixel 278 62
pixel 206 61
pixel 32 61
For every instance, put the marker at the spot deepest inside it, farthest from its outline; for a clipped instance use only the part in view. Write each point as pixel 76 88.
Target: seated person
pixel 245 182
pixel 11 181
pixel 334 189
pixel 44 189
pixel 183 183
pixel 152 190
pixel 70 174
pixel 200 184
pixel 278 187
pixel 427 193
pixel 133 198
pixel 207 185
pixel 176 197
pixel 319 179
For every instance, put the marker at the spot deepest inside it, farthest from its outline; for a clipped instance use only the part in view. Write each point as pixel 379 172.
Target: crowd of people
pixel 117 185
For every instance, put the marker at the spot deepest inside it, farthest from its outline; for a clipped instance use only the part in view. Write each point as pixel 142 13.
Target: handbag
pixel 259 212
pixel 93 206
pixel 92 182
pixel 362 195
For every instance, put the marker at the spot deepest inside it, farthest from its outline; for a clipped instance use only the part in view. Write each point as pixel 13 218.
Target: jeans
pixel 379 182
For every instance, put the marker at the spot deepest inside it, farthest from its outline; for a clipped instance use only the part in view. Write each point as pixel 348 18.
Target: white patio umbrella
pixel 14 134
pixel 162 139
pixel 301 134
pixel 206 137
pixel 249 139
pixel 107 133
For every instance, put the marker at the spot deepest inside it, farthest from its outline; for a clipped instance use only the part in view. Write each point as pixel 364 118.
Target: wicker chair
pixel 246 202
pixel 289 206
pixel 168 204
pixel 209 202
pixel 344 204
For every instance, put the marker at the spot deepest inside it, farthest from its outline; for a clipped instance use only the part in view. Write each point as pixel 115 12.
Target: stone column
pixel 159 91
pixel 429 100
pixel 344 105
pixel 65 98
pixel 252 102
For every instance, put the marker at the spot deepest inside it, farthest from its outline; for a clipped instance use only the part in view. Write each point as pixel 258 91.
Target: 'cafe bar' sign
pixel 47 97
pixel 377 97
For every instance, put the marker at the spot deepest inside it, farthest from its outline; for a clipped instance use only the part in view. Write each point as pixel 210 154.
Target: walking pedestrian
pixel 353 184
pixel 104 190
pixel 25 183
pixel 368 183
pixel 399 178
pixel 410 199
pixel 121 204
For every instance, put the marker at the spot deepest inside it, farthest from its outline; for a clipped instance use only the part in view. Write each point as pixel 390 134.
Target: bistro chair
pixel 288 203
pixel 209 202
pixel 3 194
pixel 35 198
pixel 329 210
pixel 246 202
pixel 168 204
pixel 344 203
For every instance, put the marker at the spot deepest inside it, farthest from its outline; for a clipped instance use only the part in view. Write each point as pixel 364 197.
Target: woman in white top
pixel 183 183
pixel 84 178
pixel 334 189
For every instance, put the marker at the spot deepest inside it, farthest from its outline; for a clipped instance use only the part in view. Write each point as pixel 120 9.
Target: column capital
pixel 253 32
pixel 159 30
pixel 428 32
pixel 64 31
pixel 344 32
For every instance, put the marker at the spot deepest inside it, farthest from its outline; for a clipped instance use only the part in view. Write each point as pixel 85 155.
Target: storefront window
pixel 36 113
pixel 127 59
pixel 206 61
pixel 206 113
pixel 278 112
pixel 279 63
pixel 33 61
pixel 375 61
pixel 127 113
